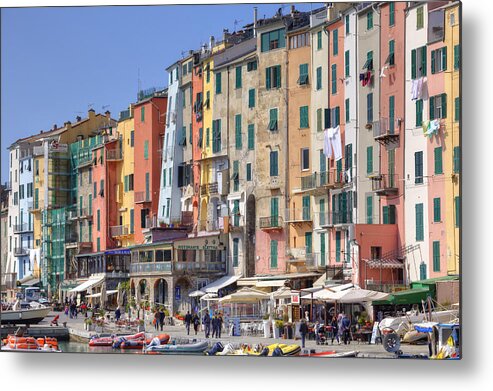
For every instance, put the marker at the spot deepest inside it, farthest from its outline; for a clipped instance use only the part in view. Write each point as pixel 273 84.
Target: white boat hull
pixel 24 316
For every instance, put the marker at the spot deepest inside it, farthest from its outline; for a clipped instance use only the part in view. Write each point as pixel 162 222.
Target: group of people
pixel 158 321
pixel 72 310
pixel 216 322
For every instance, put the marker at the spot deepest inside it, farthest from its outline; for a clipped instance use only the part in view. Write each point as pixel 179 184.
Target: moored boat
pixel 194 347
pixel 24 315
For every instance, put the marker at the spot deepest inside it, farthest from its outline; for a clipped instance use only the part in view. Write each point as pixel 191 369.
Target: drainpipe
pixel 285 144
pixel 329 204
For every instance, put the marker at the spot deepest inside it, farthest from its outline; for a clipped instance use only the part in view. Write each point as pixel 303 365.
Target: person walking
pixel 156 320
pixel 346 325
pixel 207 323
pixel 188 320
pixel 161 318
pixel 334 330
pixel 219 325
pixel 303 331
pixel 196 322
pixel 214 325
pixel 340 329
pixel 118 313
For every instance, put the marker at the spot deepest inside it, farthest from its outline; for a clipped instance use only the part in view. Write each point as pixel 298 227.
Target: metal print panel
pixel 292 190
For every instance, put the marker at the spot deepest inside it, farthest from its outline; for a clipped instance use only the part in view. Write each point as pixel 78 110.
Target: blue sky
pixel 58 61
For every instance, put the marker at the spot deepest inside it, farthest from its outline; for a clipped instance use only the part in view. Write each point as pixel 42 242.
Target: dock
pixel 59 332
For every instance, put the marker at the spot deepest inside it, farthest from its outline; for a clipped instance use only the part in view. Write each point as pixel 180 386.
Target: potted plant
pixel 141 326
pixel 99 325
pixel 88 325
pixel 278 325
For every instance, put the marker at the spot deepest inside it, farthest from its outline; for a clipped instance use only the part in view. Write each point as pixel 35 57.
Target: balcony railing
pixel 385 184
pixel 151 222
pixel 85 158
pixel 150 267
pixel 309 182
pixel 316 260
pixel 209 225
pixel 271 223
pixel 119 230
pixel 21 251
pixel 141 197
pixel 114 154
pixel 208 188
pixel 298 215
pixel 200 266
pixel 385 286
pixel 385 130
pixel 18 228
pixel 236 222
pixel 322 180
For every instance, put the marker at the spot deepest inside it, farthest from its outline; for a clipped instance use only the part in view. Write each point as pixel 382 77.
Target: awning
pixel 120 251
pixel 99 294
pixel 407 297
pixel 209 297
pixel 210 242
pixel 93 281
pixel 384 263
pixel 198 293
pixel 222 282
pixel 29 281
pixel 270 283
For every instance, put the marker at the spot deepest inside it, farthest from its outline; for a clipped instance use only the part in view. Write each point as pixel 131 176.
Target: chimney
pixel 292 10
pixel 68 124
pixel 212 41
pixel 108 114
pixel 78 118
pixel 255 21
pixel 225 34
pixel 91 113
pixel 54 127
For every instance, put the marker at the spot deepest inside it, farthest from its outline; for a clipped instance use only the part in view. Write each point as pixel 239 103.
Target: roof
pixel 93 281
pixel 432 281
pixel 270 283
pixel 384 263
pixel 219 284
pixel 409 296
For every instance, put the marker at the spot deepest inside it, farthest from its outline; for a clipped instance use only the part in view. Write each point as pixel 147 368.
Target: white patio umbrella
pixel 119 296
pixel 351 295
pixel 103 295
pixel 245 295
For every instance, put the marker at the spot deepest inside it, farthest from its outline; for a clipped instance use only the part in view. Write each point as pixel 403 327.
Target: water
pixel 79 347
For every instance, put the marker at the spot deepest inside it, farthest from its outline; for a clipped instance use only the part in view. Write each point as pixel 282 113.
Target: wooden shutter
pixel 423 61
pixel 413 64
pixel 251 136
pixel 432 107
pixel 369 210
pixel 273 254
pixel 326 118
pixel 369 160
pixel 278 76
pixel 436 256
pixel 457 211
pixel 338 246
pixel 444 58
pixel 419 222
pixel 436 210
pixel 444 105
pixel 433 62
pixel 267 78
pixel 385 213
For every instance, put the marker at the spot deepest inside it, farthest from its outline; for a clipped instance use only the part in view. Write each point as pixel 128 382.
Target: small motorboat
pixel 317 354
pixel 274 350
pixel 194 347
pixel 17 315
pixel 161 339
pixel 30 344
pixel 102 341
pixel 133 337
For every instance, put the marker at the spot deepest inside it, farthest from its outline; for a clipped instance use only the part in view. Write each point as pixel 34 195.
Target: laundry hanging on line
pixel 382 72
pixel 417 88
pixel 332 142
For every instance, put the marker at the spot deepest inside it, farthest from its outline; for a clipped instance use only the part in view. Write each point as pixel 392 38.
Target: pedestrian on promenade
pixel 214 325
pixel 118 313
pixel 346 325
pixel 303 331
pixel 196 322
pixel 340 329
pixel 207 323
pixel 66 309
pixel 219 324
pixel 188 320
pixel 156 320
pixel 334 330
pixel 161 318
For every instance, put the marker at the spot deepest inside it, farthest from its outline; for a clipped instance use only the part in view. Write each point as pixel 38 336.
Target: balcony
pixel 385 131
pixel 167 153
pixel 114 155
pixel 117 231
pixel 271 223
pixel 21 251
pixel 236 223
pixel 208 189
pixel 85 158
pixel 302 215
pixel 19 228
pixel 210 225
pixel 151 222
pixel 385 286
pixel 198 267
pixel 151 268
pixel 316 260
pixel 141 197
pixel 384 184
pixel 309 182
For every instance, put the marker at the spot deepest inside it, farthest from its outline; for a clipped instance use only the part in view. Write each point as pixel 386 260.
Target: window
pixel 184 69
pixel 319 40
pixel 90 204
pixel 142 114
pixel 249 172
pixel 319 78
pixel 436 210
pixel 369 20
pixel 252 66
pixel 322 220
pixel 419 223
pixel 347 24
pixel 438 106
pixel 456 159
pixel 338 246
pixel 303 79
pixel 273 40
pixel 273 254
pixel 207 102
pixel 346 110
pixel 436 256
pixel 438 161
pixel 238 77
pixel 251 98
pixel 391 57
pixel 238 137
pixel 369 108
pixel 164 177
pixel 251 136
pixel 169 176
pixel 131 182
pixel 218 83
pixel 101 188
pixel 29 190
pixel 457 109
pixel 303 117
pixel 456 57
pixel 236 175
pixel 216 136
pixel 146 149
pixel 388 213
pixel 305 159
pixel 457 211
pixel 333 80
pixel 418 62
pixel 99 220
pixel 274 163
pixel 319 120
pixel 419 18
pixel 89 226
pixel 346 63
pixel 21 191
pixel 167 206
pixel 208 73
pixel 98 244
pixel 95 190
pixel 132 138
pixel 335 42
pixel 369 160
pixel 308 243
pixel 147 187
pixel 348 157
pixel 439 60
pixel 419 112
pixel 299 41
pixel 207 137
pixel 201 138
pixel 391 114
pixel 235 251
pixel 272 119
pixel 273 77
pixel 90 176
pixel 391 14
pixel 418 167
pixel 369 210
pixel 334 118
pixel 183 137
pixel 131 221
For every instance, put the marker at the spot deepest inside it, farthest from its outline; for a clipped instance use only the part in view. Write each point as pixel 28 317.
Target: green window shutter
pixel 265 42
pixel 444 57
pixel 319 78
pixel 369 20
pixel 391 14
pixel 436 256
pixel 369 108
pixel 303 77
pixel 369 160
pixel 335 42
pixel 413 64
pixel 207 137
pixel 444 105
pixel 274 169
pixel 385 213
pixel 238 131
pixel 90 204
pixel 322 211
pixel 146 149
pixel 322 249
pixel 346 63
pixel 338 246
pixel 147 191
pixel 346 110
pixel 392 216
pixel 391 52
pixel 235 252
pixel 422 271
pixel 456 159
pixel 273 254
pixel 304 117
pixel 319 120
pixel 419 18
pixel 251 136
pixel 99 220
pixel 164 177
pixel 125 183
pixel 236 175
pixel 273 119
pixel 438 161
pixel 419 222
pixel 142 113
pixel 369 210
pixel 334 79
pixel 391 114
pixel 319 40
pixel 308 243
pixel 251 98
pixel 98 244
pixel 436 210
pixel 432 107
pixel 338 116
pixel 456 57
pixel 131 221
pixel 418 167
pixel 457 109
pixel 238 77
pixel 306 208
pixel 249 172
pixel 278 76
pixel 347 24
pixel 457 211
pixel 423 61
pixel 267 78
pixel 419 112
pixel 218 83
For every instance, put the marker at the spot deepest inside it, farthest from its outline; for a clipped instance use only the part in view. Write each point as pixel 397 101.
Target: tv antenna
pixel 89 106
pixel 236 23
pixel 103 108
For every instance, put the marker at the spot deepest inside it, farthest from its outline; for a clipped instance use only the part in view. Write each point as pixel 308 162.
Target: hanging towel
pixel 414 89
pixel 433 128
pixel 419 88
pixel 336 143
pixel 327 143
pixel 382 72
pixel 348 175
pixel 426 125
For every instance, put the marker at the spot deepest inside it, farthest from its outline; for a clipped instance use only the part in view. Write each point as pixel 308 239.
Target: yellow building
pixel 452 154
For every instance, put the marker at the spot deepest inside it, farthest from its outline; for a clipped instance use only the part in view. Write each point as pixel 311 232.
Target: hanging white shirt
pixel 336 143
